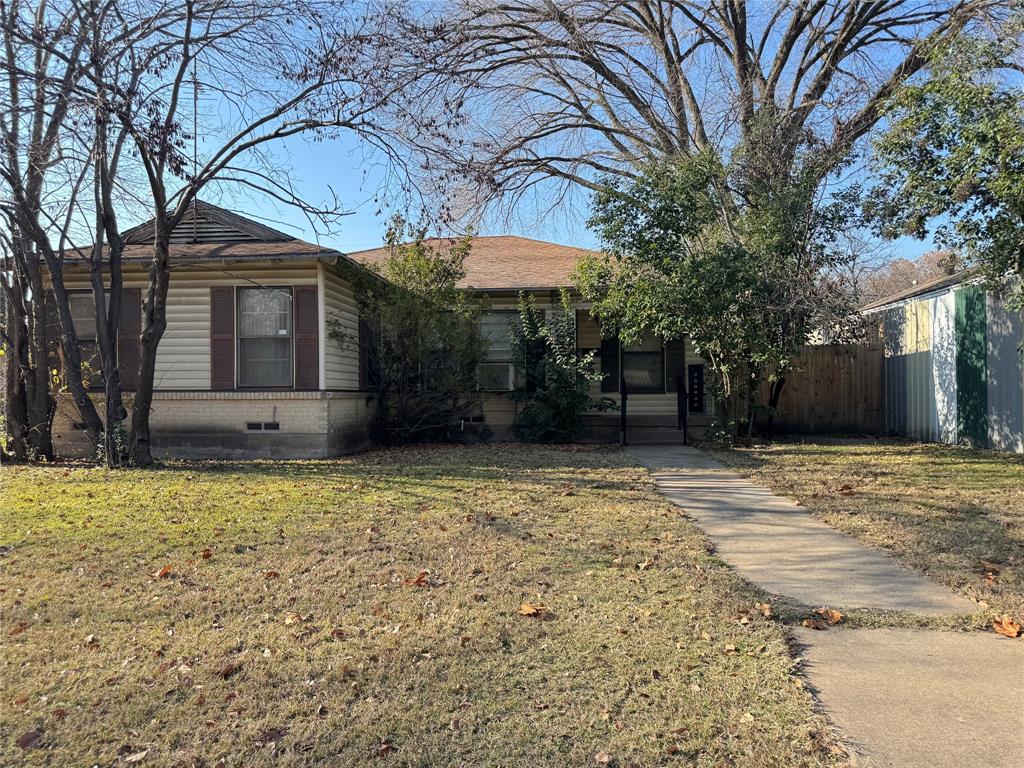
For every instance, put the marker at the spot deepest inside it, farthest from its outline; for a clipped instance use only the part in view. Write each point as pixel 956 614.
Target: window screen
pixel 496 329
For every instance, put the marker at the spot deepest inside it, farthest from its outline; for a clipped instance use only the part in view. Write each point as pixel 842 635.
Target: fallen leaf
pixel 18 628
pixel 207 553
pixel 385 748
pixel 988 568
pixel 831 615
pixel 91 641
pixel 230 669
pixel 746 717
pixel 163 573
pixel 338 633
pixel 271 575
pixel 1004 625
pixel 603 758
pixel 643 566
pixel 764 608
pixel 814 624
pixel 533 609
pixel 60 713
pixel 294 618
pixel 29 739
pixel 418 580
pixel 137 757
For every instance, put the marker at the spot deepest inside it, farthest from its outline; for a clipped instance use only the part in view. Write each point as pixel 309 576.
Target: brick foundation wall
pixel 215 424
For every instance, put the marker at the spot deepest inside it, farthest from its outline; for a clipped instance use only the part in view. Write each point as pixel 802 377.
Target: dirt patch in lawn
pixel 499 605
pixel 953 513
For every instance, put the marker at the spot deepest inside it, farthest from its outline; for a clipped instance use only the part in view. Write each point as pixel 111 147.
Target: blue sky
pixel 341 165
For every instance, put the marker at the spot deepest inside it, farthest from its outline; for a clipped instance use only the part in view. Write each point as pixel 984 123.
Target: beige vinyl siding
pixel 341 360
pixel 183 358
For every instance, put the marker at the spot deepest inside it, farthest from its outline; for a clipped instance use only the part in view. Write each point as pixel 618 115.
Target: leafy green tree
pixel 419 336
pixel 952 156
pixel 739 258
pixel 554 380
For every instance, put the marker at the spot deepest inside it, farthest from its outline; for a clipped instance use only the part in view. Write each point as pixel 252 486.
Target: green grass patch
pixel 367 611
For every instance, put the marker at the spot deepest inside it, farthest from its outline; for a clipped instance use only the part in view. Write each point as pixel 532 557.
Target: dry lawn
pixel 953 513
pixel 371 612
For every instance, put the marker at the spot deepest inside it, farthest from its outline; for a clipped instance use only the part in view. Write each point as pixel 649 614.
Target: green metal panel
pixel 971 371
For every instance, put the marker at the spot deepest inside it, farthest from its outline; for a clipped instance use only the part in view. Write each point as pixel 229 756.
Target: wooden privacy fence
pixel 835 388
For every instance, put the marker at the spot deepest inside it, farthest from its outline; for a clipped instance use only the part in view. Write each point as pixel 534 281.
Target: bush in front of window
pixel 553 380
pixel 419 338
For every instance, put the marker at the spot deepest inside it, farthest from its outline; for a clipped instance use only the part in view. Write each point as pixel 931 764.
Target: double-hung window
pixel 265 345
pixel 497 372
pixel 643 365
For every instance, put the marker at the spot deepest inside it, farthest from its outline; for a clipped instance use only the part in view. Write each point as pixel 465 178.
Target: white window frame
pixel 238 335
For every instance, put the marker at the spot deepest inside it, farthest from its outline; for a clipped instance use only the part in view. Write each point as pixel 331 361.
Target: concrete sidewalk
pixel 776 544
pixel 903 698
pixel 918 699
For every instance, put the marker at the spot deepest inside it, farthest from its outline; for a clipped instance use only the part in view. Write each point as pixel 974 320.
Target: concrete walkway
pixel 776 544
pixel 903 698
pixel 918 699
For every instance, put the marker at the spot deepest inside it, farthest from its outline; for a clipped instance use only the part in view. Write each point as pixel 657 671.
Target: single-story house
pixel 246 366
pixel 953 366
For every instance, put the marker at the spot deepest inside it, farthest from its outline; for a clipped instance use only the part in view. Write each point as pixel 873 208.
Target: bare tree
pixel 894 275
pixel 40 93
pixel 577 90
pixel 59 61
pixel 343 71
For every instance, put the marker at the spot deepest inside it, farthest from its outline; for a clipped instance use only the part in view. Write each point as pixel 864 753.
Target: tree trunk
pixel 72 355
pixel 773 403
pixel 16 363
pixel 753 381
pixel 107 323
pixel 38 401
pixel 155 313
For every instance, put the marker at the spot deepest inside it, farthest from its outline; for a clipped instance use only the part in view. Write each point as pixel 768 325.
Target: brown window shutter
pixel 610 364
pixel 307 337
pixel 128 344
pixel 675 363
pixel 222 338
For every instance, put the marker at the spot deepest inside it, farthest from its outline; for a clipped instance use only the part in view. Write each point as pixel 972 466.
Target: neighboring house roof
pixel 929 286
pixel 504 262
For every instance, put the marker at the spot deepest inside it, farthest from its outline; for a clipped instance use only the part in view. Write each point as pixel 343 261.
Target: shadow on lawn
pixel 443 467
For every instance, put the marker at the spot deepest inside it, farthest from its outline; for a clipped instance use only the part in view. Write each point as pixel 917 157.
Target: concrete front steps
pixel 641 429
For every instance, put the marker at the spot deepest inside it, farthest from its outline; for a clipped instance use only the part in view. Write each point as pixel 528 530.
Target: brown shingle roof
pixel 504 262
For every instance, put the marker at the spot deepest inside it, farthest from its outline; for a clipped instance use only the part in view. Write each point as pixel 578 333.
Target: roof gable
pixel 206 223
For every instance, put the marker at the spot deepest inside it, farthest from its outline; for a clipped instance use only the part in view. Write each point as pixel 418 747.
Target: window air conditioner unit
pixel 496 377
